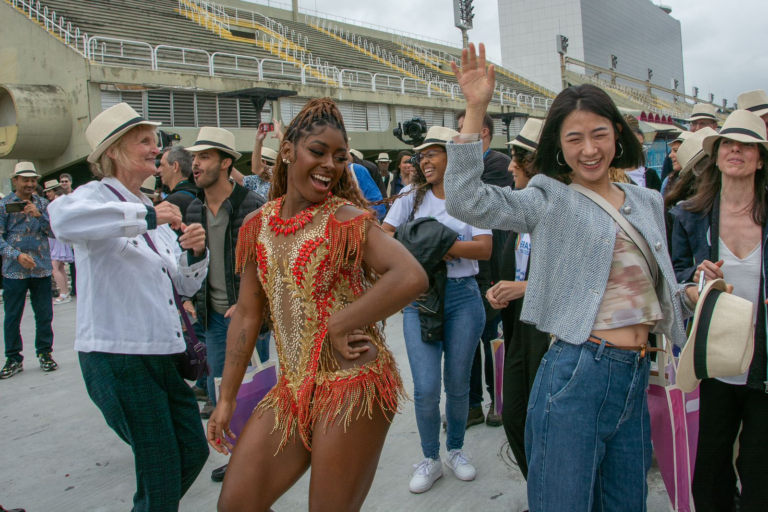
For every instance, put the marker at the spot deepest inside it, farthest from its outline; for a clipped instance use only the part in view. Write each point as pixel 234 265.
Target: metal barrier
pixel 356 79
pixel 124 51
pixel 39 13
pixel 191 59
pixel 243 65
pixel 270 67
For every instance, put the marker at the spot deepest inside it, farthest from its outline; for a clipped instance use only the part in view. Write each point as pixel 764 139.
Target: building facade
pixel 639 33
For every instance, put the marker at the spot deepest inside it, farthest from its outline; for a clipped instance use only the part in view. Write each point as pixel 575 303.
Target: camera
pixel 415 130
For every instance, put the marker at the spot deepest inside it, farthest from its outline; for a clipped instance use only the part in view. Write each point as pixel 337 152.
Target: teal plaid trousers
pixel 147 403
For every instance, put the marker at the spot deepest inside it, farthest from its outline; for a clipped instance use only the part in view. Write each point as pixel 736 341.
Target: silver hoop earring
pixel 622 151
pixel 557 157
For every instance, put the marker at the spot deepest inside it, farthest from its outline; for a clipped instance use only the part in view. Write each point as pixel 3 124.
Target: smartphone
pixel 15 207
pixel 267 127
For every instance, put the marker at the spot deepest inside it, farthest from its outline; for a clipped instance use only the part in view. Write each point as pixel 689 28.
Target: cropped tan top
pixel 630 297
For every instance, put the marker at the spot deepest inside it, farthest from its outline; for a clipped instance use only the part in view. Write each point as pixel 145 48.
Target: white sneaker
pixel 427 472
pixel 459 463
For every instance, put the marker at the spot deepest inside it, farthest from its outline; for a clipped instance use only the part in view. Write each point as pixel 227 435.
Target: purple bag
pixel 257 382
pixel 193 362
pixel 674 432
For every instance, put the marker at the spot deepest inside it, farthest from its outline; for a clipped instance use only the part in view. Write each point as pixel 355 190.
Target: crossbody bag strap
pixel 176 297
pixel 628 228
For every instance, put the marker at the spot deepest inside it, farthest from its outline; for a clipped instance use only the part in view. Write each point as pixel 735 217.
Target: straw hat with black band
pixel 25 170
pixel 357 154
pixel 754 101
pixel 742 126
pixel 703 112
pixel 109 126
pixel 691 151
pixel 722 340
pixel 528 138
pixel 215 138
pixel 437 136
pixel 269 155
pixel 50 185
pixel 682 136
pixel 148 187
pixel 383 157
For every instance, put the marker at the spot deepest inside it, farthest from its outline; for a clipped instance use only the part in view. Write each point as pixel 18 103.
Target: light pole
pixel 462 17
pixel 562 48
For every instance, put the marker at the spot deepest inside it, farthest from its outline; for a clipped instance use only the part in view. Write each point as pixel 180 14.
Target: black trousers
pixel 525 347
pixel 152 409
pixel 724 408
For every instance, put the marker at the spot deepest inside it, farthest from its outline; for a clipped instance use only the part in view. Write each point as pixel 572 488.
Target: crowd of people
pixel 585 262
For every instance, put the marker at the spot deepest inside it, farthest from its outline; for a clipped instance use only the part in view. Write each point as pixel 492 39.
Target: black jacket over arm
pixel 238 205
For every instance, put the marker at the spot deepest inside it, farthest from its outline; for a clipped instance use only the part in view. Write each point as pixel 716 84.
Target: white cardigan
pixel 124 297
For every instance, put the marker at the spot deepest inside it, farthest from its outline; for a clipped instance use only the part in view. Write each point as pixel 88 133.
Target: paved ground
pixel 57 453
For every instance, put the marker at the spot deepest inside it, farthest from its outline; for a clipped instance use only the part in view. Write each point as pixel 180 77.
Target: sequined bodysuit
pixel 308 272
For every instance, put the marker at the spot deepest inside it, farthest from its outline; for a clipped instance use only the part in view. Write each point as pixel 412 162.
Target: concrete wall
pixel 640 34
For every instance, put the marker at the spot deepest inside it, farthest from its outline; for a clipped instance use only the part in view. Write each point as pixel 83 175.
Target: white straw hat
pixel 437 136
pixel 148 187
pixel 215 138
pixel 703 112
pixel 682 136
pixel 25 169
pixel 383 157
pixel 742 126
pixel 109 126
pixel 754 101
pixel 269 155
pixel 691 151
pixel 357 154
pixel 50 185
pixel 529 136
pixel 722 340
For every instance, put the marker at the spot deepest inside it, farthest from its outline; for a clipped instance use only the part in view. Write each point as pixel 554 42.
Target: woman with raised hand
pixel 722 232
pixel 599 283
pixel 316 263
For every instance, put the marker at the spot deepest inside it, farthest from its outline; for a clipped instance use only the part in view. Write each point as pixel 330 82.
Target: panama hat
pixel 148 187
pixel 215 138
pixel 742 126
pixel 703 112
pixel 109 126
pixel 357 154
pixel 51 184
pixel 722 340
pixel 26 170
pixel 754 101
pixel 682 136
pixel 383 157
pixel 269 155
pixel 529 136
pixel 437 136
pixel 691 151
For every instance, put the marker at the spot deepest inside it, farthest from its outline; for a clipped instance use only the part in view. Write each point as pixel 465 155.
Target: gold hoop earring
pixel 557 157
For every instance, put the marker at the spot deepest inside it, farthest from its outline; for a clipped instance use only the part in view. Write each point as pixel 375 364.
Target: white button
pixel 657 246
pixel 627 210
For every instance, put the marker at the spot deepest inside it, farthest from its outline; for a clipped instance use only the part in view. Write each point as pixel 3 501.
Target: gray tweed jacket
pixel 574 241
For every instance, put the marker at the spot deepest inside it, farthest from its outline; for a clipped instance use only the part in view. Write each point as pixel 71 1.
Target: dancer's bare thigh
pixel 256 477
pixel 344 463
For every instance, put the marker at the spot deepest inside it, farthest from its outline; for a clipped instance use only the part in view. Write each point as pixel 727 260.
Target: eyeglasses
pixel 429 155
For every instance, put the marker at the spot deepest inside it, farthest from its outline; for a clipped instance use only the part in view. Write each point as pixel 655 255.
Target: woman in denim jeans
pixel 587 437
pixel 463 318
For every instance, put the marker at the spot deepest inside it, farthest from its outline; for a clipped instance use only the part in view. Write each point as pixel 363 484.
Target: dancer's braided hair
pixel 319 113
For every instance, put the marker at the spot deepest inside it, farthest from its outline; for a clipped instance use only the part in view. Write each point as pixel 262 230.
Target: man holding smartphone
pixel 24 233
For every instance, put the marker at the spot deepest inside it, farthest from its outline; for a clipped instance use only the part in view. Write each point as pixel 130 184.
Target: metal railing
pixel 64 30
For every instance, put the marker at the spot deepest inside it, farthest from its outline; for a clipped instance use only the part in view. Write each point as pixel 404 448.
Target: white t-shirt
pixel 638 176
pixel 434 207
pixel 522 253
pixel 744 275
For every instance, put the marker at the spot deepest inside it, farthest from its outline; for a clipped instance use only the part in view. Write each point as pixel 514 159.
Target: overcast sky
pixel 724 41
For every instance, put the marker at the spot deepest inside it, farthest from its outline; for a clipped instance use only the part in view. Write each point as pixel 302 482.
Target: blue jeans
pixel 215 339
pixel 14 298
pixel 588 433
pixel 483 364
pixel 464 318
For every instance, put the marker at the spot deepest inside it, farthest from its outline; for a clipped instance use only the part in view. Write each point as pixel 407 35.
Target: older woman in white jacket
pixel 128 327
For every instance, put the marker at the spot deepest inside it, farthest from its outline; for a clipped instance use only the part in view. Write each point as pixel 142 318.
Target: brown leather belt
pixel 641 348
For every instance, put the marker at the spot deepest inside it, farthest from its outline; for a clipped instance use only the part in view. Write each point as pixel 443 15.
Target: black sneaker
pixel 200 394
pixel 207 410
pixel 11 509
pixel 11 368
pixel 217 475
pixel 476 416
pixel 47 363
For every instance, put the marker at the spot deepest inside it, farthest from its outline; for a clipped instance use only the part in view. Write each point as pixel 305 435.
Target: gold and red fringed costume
pixel 310 266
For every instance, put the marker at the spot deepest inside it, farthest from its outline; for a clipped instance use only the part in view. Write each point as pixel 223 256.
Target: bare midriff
pixel 631 336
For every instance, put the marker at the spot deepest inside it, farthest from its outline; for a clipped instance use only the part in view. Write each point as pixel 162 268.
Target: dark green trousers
pixel 147 403
pixel 525 346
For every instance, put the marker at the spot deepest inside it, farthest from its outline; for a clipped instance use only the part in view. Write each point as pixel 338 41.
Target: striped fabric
pixel 574 241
